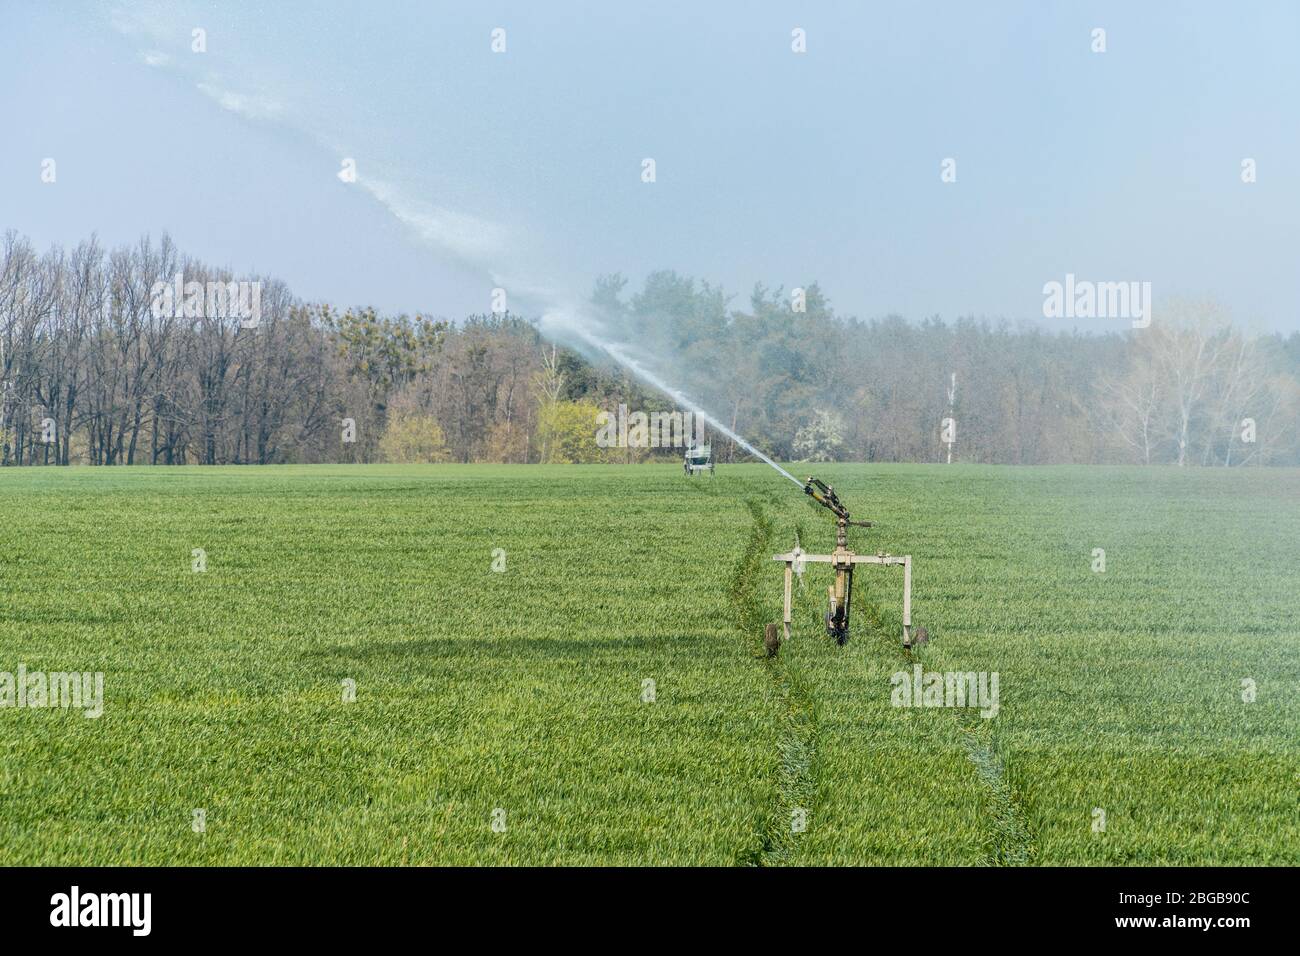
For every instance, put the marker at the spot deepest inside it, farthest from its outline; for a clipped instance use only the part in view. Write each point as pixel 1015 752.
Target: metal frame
pixel 843 560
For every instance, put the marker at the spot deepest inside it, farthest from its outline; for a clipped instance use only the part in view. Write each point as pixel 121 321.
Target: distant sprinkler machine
pixel 842 562
pixel 698 459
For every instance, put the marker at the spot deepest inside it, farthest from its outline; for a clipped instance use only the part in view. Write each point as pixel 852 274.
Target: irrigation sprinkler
pixel 842 561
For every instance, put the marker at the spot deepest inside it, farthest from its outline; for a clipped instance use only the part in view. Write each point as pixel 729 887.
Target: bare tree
pixel 1129 403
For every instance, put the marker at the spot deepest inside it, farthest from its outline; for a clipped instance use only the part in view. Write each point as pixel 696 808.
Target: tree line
pixel 92 371
pixel 1192 388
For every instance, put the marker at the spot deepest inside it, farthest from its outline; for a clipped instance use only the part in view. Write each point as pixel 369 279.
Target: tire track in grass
pixel 1010 842
pixel 797 741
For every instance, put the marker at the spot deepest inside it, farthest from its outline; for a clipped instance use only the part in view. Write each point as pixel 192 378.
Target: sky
pixel 523 169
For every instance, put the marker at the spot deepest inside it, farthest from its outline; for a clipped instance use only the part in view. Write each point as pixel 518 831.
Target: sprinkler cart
pixel 842 561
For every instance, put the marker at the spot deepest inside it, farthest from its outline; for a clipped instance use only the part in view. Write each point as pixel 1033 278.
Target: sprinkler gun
pixel 825 496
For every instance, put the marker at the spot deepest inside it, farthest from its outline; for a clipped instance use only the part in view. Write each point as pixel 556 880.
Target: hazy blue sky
pixel 525 167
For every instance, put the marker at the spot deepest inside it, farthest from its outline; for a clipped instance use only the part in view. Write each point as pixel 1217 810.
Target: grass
pixel 523 690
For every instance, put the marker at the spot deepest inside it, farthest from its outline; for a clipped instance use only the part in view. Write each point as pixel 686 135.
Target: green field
pixel 522 690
